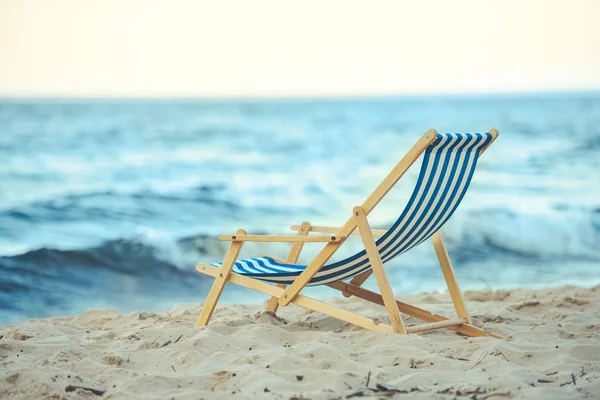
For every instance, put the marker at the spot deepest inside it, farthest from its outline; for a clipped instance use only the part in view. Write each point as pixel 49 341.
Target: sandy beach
pixel 551 350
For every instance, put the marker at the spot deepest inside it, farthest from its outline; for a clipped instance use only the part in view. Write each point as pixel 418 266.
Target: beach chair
pixel 449 162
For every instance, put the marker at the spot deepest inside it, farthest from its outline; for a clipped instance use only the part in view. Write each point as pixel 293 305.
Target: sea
pixel 111 203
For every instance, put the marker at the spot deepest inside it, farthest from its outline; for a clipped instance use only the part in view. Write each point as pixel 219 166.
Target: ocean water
pixel 111 203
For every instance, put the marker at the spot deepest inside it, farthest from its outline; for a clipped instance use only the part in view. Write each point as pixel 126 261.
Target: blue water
pixel 111 204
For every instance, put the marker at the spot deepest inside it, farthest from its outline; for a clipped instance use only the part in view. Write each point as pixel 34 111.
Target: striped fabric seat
pixel 447 169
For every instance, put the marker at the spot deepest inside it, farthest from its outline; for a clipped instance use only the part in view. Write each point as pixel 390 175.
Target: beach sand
pixel 551 350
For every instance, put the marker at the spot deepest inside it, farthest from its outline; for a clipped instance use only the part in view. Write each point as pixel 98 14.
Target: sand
pixel 551 350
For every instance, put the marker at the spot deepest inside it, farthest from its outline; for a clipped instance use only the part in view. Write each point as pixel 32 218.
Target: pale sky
pixel 155 48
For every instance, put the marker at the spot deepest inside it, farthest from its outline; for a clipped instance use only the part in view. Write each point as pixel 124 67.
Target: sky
pixel 179 48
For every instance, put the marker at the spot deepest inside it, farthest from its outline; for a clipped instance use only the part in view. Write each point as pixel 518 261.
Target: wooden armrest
pixel 327 229
pixel 281 238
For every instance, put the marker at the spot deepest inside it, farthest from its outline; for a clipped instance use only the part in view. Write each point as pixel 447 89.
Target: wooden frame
pixel 220 280
pixel 356 224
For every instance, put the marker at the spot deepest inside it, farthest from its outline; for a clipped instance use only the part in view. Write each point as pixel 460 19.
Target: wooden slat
pixel 435 325
pixel 466 329
pixel 358 280
pixel 292 257
pixel 376 298
pixel 300 300
pixel 388 182
pixel 220 280
pixel 331 229
pixel 446 265
pixel 377 267
pixel 281 238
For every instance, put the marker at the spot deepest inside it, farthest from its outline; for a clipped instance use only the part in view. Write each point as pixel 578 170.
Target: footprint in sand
pixel 586 353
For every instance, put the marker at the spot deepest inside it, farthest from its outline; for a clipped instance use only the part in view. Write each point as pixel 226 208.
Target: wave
pixel 126 256
pixel 559 233
pixel 501 246
pixel 97 204
pixel 492 233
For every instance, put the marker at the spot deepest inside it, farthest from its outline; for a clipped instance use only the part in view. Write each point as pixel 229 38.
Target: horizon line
pixel 300 97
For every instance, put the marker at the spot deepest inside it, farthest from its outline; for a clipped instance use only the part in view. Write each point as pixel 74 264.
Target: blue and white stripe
pixel 447 169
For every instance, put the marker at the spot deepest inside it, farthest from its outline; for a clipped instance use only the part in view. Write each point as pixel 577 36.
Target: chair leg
pixel 292 257
pixel 377 266
pixel 219 283
pixel 448 271
pixel 272 304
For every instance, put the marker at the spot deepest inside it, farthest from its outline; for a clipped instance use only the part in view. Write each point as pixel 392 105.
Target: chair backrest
pixel 447 169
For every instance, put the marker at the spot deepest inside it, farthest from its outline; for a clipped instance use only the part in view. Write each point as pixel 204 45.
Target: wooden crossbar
pixel 409 309
pixel 331 229
pixel 435 325
pixel 358 280
pixel 281 238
